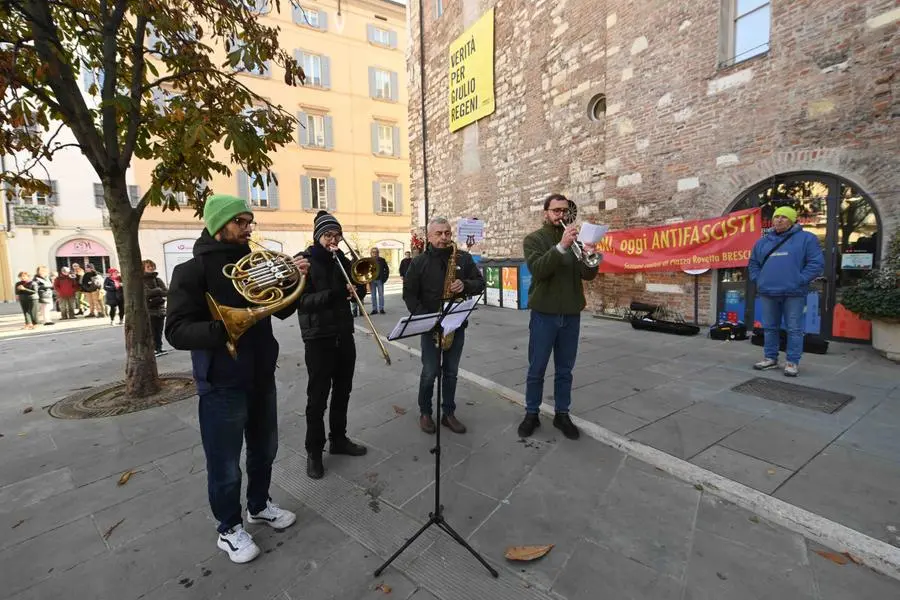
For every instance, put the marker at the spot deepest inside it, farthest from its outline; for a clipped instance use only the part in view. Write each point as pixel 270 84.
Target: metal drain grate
pixel 793 394
pixel 110 401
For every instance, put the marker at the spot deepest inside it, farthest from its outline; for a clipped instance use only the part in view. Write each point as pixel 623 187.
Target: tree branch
pixel 110 80
pixel 137 77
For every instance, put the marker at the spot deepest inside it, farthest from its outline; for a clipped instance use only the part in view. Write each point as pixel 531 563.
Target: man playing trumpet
pixel 556 299
pixel 237 394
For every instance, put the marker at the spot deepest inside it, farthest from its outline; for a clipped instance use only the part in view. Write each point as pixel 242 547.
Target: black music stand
pixel 437 516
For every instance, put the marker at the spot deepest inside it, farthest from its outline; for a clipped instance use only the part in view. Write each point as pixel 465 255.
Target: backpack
pixel 726 330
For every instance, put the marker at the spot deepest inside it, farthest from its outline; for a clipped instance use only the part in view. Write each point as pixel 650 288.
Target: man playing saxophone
pixel 440 273
pixel 237 394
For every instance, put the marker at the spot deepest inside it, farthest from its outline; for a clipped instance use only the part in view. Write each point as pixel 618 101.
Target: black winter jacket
pixel 423 285
pixel 155 292
pixel 115 296
pixel 384 270
pixel 190 325
pixel 324 310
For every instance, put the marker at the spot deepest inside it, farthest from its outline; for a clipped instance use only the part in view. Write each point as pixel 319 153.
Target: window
pixel 385 139
pixel 746 26
pixel 36 198
pixel 382 84
pixel 318 190
pixel 438 8
pixel 388 197
pixel 259 194
pixel 310 17
pixel 315 125
pixel 99 196
pixel 261 70
pixel 316 67
pixel 134 195
pixel 263 194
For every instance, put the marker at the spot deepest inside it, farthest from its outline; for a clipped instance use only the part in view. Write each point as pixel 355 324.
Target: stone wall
pixel 682 137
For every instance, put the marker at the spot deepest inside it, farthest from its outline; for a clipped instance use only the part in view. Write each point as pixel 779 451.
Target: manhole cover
pixel 110 401
pixel 796 395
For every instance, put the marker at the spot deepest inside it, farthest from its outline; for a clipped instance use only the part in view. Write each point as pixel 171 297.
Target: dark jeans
pixel 29 310
pixel 450 368
pixel 227 416
pixel 112 311
pixel 156 324
pixel 557 334
pixel 330 363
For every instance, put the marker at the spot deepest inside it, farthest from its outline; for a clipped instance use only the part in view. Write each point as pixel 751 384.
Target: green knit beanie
pixel 221 208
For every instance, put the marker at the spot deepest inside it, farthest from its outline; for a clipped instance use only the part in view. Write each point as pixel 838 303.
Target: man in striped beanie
pixel 327 328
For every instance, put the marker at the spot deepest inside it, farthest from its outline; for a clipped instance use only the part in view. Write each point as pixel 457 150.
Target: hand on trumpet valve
pixel 457 286
pixel 569 236
pixel 302 264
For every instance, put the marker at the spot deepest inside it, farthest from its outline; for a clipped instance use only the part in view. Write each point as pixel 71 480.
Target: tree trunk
pixel 141 375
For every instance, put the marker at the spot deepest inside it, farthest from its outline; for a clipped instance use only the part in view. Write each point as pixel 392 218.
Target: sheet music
pixel 458 315
pixel 591 234
pixel 417 324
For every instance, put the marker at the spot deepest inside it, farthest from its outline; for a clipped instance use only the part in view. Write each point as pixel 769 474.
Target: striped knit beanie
pixel 325 222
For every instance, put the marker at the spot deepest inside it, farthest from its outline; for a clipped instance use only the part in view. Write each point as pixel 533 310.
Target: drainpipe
pixel 422 98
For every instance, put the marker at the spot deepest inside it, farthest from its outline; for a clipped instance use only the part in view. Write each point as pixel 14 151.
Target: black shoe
pixel 345 446
pixel 381 311
pixel 314 467
pixel 564 423
pixel 531 422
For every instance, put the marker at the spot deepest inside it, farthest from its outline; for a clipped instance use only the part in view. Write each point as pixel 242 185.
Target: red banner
pixel 717 243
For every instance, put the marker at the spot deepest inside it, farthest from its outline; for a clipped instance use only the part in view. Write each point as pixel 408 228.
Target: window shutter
pixel 297 15
pixel 134 195
pixel 302 131
pixel 396 140
pixel 395 92
pixel 99 199
pixel 305 193
pixel 86 79
pixel 332 194
pixel 323 20
pixel 376 197
pixel 326 72
pixel 329 132
pixel 267 69
pixel 53 200
pixel 298 56
pixel 370 32
pixel 243 185
pixel 393 39
pixel 273 192
pixel 374 138
pixel 398 198
pixel 371 82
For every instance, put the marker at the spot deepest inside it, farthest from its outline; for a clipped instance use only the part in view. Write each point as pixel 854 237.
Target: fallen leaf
pixel 111 529
pixel 23 434
pixel 852 558
pixel 754 519
pixel 834 557
pixel 770 471
pixel 527 552
pixel 19 522
pixel 721 576
pixel 399 410
pixel 698 487
pixel 383 587
pixel 27 410
pixel 125 477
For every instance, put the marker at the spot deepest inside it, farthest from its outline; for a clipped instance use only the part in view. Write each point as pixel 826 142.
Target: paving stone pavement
pixel 620 528
pixel 674 393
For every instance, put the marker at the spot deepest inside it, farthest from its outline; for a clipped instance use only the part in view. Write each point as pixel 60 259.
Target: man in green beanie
pixel 237 395
pixel 783 263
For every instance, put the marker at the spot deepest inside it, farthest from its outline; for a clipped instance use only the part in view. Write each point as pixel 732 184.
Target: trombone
pixel 363 271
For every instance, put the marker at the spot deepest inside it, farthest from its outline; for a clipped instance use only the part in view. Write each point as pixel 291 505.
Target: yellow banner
pixel 472 73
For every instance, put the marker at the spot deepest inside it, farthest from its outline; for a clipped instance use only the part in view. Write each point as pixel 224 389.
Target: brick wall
pixel 682 137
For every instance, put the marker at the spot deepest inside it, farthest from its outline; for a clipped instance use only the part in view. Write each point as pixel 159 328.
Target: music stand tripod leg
pixel 437 517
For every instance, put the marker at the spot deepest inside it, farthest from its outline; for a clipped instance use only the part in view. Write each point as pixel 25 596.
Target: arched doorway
pixel 83 251
pixel 392 252
pixel 847 224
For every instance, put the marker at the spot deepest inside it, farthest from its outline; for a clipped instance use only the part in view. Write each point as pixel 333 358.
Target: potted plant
pixel 877 298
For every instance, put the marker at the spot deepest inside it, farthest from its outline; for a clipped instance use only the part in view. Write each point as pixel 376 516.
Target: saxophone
pixel 449 278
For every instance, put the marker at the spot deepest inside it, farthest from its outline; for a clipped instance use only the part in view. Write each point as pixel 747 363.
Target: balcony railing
pixel 33 215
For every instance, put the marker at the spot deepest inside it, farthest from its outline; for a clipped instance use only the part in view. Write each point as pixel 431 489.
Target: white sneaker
pixel 791 370
pixel 766 364
pixel 238 544
pixel 274 516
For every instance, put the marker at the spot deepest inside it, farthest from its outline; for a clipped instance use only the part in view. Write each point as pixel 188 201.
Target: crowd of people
pixel 82 292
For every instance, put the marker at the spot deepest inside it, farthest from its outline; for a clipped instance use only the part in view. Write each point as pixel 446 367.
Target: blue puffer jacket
pixel 791 268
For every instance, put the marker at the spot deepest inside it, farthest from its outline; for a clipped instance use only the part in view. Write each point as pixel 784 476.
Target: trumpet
pixel 590 259
pixel 262 277
pixel 362 271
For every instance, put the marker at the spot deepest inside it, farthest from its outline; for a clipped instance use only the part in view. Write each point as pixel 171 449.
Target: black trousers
pixel 156 324
pixel 330 363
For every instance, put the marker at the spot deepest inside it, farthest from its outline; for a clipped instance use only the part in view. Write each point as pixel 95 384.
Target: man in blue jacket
pixel 783 263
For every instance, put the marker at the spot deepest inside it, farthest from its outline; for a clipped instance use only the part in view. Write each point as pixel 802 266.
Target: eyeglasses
pixel 332 235
pixel 243 223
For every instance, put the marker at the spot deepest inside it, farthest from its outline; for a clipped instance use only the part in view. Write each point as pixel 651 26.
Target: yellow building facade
pixel 352 156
